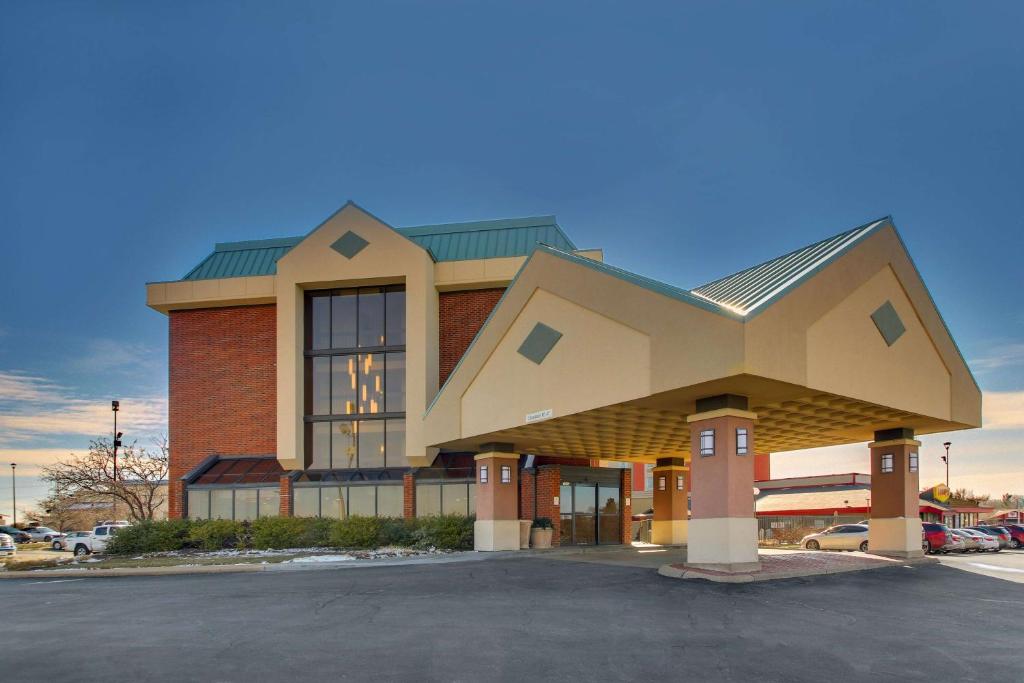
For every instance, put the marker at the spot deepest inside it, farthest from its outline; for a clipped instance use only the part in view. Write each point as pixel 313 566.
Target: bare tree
pixel 141 476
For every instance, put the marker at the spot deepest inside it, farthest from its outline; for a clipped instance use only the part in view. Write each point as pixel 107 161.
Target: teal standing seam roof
pixel 754 287
pixel 447 242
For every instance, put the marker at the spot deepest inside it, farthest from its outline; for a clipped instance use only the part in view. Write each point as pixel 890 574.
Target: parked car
pixel 96 541
pixel 997 532
pixel 937 537
pixel 18 535
pixel 67 541
pixel 841 537
pixel 42 533
pixel 7 546
pixel 1016 535
pixel 970 543
pixel 985 542
pixel 958 544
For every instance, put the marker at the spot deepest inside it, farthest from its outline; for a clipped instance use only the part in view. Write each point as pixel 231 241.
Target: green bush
pixel 397 532
pixel 151 537
pixel 217 534
pixel 542 523
pixel 447 532
pixel 356 532
pixel 276 533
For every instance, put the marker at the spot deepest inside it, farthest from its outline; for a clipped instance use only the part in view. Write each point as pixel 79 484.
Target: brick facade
pixel 549 482
pixel 222 396
pixel 461 315
pixel 527 493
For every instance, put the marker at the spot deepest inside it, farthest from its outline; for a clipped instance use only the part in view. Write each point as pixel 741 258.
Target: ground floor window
pixel 445 498
pixel 238 503
pixel 340 502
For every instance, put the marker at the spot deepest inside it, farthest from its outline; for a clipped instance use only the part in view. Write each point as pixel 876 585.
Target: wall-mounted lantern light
pixel 912 461
pixel 679 482
pixel 661 482
pixel 741 441
pixel 506 474
pixel 483 474
pixel 886 463
pixel 707 442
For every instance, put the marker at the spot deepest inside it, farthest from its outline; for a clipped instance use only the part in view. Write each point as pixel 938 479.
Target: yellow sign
pixel 941 493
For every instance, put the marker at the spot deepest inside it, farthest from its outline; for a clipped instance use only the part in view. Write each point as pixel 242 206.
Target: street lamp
pixel 945 459
pixel 116 406
pixel 14 495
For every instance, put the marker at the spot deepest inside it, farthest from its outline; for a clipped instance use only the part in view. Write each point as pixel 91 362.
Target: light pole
pixel 114 407
pixel 14 495
pixel 945 459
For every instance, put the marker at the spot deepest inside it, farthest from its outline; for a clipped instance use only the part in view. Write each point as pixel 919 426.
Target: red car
pixel 1016 535
pixel 937 536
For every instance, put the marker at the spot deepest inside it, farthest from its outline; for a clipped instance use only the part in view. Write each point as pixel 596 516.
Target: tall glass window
pixel 355 371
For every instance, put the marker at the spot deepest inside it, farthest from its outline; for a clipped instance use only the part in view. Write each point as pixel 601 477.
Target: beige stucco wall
pixel 778 339
pixel 313 264
pixel 228 291
pixel 602 360
pixel 909 375
pixel 511 385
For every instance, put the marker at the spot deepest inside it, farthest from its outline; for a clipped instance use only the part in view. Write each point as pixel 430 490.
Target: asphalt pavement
pixel 512 619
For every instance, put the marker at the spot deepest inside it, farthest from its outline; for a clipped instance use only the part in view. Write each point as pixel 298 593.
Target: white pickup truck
pixel 96 542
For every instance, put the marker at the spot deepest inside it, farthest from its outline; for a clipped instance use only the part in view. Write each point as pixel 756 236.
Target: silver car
pixel 7 546
pixel 841 537
pixel 67 541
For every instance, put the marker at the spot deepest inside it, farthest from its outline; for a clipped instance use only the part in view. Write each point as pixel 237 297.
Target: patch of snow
pixel 320 558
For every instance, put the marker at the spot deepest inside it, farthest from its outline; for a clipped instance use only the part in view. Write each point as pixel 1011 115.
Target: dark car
pixel 937 536
pixel 996 532
pixel 1016 535
pixel 18 535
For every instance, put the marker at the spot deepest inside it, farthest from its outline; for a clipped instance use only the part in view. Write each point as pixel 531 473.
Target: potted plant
pixel 540 533
pixel 524 533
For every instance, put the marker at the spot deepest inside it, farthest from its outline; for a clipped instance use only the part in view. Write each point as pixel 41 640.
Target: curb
pixel 677 572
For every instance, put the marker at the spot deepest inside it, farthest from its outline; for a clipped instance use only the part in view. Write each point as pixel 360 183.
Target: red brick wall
pixel 222 395
pixel 527 484
pixel 549 482
pixel 461 315
pixel 285 493
pixel 408 495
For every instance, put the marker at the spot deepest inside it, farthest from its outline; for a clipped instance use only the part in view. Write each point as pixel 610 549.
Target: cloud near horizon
pixel 35 410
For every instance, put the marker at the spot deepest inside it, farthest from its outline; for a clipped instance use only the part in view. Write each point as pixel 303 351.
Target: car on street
pixel 43 533
pixel 985 542
pixel 937 537
pixel 7 546
pixel 997 532
pixel 18 535
pixel 841 537
pixel 96 541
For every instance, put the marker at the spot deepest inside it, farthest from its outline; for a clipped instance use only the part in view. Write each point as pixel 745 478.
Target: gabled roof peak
pixel 753 288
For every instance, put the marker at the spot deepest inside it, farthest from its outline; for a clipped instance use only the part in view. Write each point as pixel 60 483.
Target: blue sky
pixel 687 141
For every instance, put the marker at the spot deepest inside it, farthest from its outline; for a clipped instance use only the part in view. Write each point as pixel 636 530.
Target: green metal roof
pixel 750 289
pixel 447 242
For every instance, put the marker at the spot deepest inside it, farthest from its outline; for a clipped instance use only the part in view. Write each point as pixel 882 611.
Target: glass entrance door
pixel 590 514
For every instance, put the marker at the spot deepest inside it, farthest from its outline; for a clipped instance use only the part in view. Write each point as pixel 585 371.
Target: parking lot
pixel 512 619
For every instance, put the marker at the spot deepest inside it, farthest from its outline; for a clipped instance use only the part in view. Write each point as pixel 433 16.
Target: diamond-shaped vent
pixel 349 244
pixel 539 342
pixel 888 322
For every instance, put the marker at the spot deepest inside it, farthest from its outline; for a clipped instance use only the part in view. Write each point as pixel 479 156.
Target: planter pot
pixel 541 538
pixel 524 533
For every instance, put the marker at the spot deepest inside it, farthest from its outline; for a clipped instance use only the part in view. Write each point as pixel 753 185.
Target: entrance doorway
pixel 590 503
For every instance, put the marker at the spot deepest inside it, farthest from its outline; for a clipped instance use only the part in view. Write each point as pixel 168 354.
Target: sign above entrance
pixel 539 415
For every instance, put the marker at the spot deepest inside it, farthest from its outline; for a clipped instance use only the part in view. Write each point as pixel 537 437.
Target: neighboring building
pixel 817 502
pixel 489 368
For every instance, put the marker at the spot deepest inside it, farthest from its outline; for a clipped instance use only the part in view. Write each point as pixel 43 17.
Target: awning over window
pixel 242 470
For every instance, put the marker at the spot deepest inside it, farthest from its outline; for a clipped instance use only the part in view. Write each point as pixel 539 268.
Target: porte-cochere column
pixel 723 530
pixel 497 499
pixel 895 525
